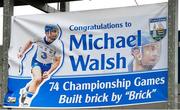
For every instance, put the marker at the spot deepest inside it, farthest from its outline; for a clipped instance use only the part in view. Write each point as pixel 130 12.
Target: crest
pixel 158 28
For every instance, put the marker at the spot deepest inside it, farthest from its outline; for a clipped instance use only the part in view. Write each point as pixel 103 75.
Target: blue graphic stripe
pixel 96 74
pixel 61 62
pixel 122 85
pixel 21 65
pixel 63 51
pixel 60 31
pixel 110 74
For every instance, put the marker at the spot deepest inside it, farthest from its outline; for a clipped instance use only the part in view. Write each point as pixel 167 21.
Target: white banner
pixel 99 58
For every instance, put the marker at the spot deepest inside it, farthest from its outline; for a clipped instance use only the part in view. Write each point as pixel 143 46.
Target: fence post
pixel 8 6
pixel 173 54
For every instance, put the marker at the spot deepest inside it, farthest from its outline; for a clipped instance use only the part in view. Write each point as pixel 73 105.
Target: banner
pixel 88 59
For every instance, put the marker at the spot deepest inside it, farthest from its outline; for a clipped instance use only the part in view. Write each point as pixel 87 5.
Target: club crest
pixel 158 28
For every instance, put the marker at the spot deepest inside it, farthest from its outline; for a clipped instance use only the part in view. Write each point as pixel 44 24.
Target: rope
pixel 136 2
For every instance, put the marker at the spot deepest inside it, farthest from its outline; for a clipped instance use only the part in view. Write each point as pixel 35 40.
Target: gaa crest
pixel 158 28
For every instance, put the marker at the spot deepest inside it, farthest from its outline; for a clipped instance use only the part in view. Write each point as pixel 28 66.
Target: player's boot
pixel 24 99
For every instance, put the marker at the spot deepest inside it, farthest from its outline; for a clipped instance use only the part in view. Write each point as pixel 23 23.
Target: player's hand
pixel 19 55
pixel 45 75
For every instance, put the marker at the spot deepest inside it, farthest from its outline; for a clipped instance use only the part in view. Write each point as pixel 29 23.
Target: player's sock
pixel 26 97
pixel 27 100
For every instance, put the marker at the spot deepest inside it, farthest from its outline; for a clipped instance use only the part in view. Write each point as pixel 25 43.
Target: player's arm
pixel 53 67
pixel 25 48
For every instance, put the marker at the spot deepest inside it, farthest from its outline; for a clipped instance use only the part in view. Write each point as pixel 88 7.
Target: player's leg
pixel 28 92
pixel 37 79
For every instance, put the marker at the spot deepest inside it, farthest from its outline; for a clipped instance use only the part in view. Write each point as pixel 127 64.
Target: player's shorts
pixel 44 67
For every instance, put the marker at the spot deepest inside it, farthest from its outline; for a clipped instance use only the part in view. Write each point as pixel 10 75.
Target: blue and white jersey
pixel 45 53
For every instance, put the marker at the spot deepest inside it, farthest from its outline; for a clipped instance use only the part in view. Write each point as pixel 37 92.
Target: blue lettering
pixel 77 44
pixel 120 42
pixel 139 37
pixel 96 43
pixel 120 60
pixel 131 41
pixel 90 42
pixel 94 65
pixel 107 40
pixel 110 63
pixel 80 61
pixel 70 27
